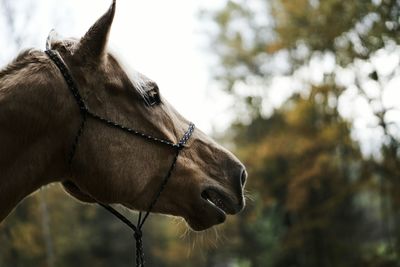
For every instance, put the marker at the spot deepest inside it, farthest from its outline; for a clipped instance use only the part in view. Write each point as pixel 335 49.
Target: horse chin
pixel 74 191
pixel 201 224
pixel 208 218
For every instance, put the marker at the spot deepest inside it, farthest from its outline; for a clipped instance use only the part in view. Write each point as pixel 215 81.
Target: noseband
pixel 87 113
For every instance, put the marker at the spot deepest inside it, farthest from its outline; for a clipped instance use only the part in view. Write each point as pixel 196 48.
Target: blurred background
pixel 305 92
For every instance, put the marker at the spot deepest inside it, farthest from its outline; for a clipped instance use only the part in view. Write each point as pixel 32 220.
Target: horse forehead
pixel 69 44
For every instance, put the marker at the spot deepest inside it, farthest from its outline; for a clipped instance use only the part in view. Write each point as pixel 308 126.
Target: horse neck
pixel 33 133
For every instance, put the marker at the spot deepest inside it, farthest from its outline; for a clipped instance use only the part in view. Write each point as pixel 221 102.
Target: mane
pixel 28 57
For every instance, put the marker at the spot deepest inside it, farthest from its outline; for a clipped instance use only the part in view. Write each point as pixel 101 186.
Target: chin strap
pixel 86 114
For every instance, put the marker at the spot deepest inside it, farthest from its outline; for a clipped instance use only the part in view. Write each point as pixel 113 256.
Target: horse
pixel 39 119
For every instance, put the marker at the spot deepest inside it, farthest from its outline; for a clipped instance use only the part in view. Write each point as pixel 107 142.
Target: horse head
pixel 110 166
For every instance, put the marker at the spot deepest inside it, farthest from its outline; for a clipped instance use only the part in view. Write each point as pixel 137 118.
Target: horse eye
pixel 153 97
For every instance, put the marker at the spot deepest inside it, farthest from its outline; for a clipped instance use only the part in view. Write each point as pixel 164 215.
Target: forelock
pixel 65 45
pixel 138 80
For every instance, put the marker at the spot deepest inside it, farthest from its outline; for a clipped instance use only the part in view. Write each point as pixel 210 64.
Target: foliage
pixel 309 169
pixel 320 201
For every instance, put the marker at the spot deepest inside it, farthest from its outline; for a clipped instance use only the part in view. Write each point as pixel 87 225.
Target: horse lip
pixel 219 200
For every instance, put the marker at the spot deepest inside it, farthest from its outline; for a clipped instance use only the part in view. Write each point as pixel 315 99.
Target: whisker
pixel 248 195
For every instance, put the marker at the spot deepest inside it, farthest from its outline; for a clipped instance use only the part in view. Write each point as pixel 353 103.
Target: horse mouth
pixel 219 201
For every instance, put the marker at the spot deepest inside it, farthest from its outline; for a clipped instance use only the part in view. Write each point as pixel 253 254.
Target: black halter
pixel 87 113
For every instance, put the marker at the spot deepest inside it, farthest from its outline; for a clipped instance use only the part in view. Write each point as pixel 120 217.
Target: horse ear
pixel 93 44
pixel 51 39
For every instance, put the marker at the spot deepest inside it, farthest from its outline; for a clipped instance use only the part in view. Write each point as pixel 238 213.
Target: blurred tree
pixel 315 195
pixel 252 34
pixel 308 168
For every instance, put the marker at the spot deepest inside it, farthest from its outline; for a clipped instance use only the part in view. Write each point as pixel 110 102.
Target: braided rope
pixel 85 113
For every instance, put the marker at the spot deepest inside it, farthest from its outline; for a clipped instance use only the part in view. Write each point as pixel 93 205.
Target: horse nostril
pixel 243 177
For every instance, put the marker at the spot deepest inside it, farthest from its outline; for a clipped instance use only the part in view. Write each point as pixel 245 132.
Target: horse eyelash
pixel 152 97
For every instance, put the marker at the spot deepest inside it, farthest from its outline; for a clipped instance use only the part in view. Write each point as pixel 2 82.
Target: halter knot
pixel 138 234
